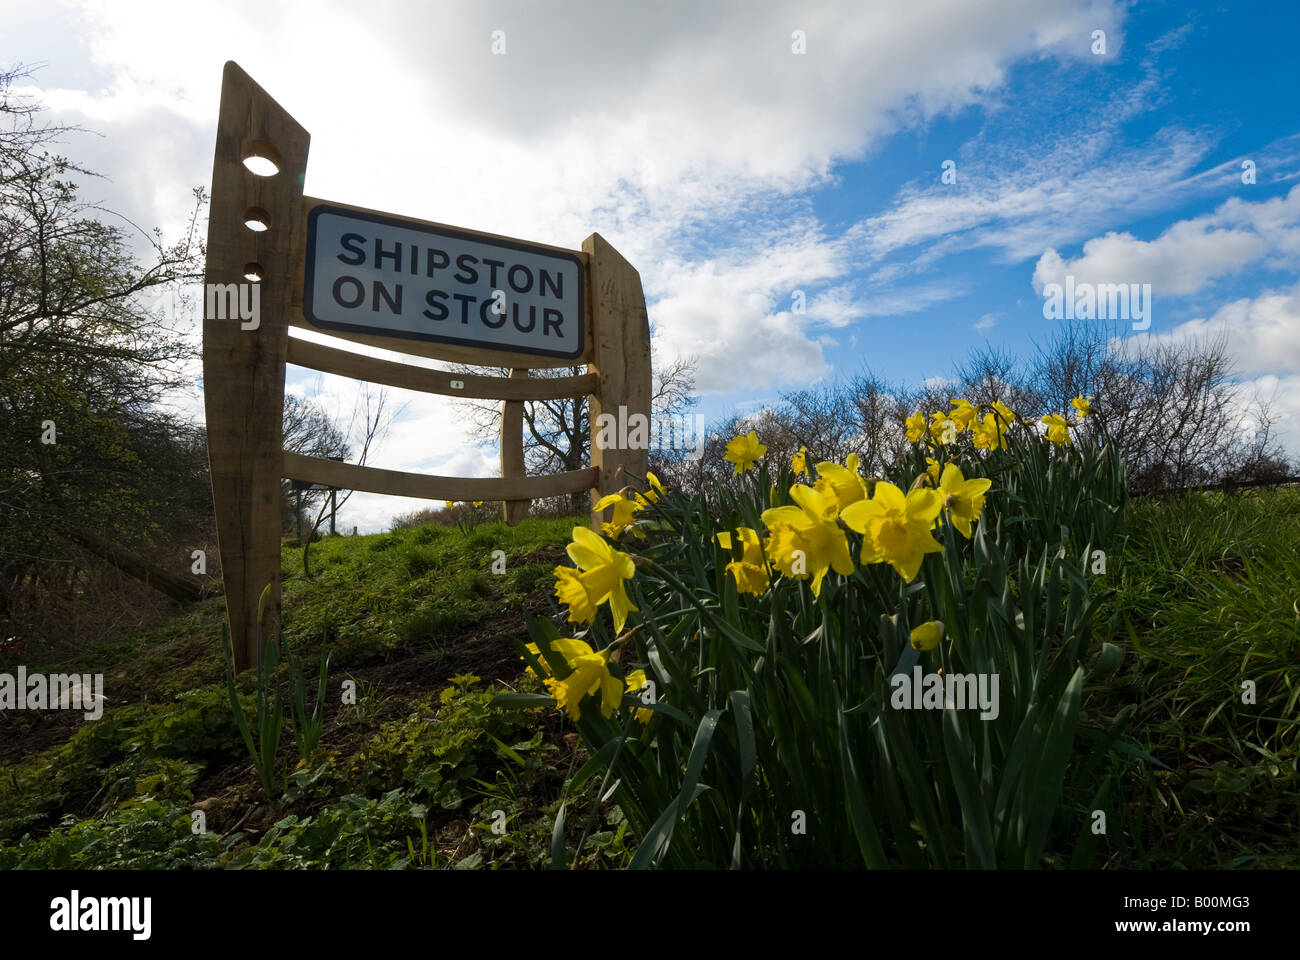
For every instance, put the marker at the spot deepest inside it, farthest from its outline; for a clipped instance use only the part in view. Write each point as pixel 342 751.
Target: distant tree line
pixel 1174 409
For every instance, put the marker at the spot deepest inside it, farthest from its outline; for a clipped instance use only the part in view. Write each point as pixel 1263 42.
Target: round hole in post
pixel 253 272
pixel 257 219
pixel 261 158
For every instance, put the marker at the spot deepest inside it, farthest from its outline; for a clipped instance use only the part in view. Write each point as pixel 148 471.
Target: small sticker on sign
pixel 458 384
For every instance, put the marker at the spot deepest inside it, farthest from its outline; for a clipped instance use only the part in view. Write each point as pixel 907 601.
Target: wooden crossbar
pixel 317 356
pixel 424 486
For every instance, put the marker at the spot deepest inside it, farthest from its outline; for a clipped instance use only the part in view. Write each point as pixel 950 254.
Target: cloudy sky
pixel 1103 141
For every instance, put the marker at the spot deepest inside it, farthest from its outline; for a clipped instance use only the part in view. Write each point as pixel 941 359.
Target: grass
pixel 381 593
pixel 420 625
pixel 1207 591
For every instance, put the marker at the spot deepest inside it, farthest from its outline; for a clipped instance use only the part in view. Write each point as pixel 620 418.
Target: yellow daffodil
pixel 603 570
pixel 963 412
pixel 635 682
pixel 799 462
pixel 532 648
pixel 927 635
pixel 915 426
pixel 1058 429
pixel 477 504
pixel 1005 413
pixel 805 540
pixel 963 499
pixel 744 452
pixel 450 504
pixel 750 572
pixel 932 468
pixel 654 493
pixel 590 674
pixel 1081 404
pixel 624 515
pixel 896 528
pixel 840 485
pixel 941 426
pixel 655 488
pixel 991 434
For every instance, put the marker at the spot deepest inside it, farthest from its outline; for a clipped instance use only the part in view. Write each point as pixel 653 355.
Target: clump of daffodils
pixel 805 539
pixel 600 577
pixel 987 425
pixel 808 539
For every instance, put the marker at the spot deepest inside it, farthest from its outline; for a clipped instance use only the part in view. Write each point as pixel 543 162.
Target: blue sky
pixel 733 171
pixel 1157 130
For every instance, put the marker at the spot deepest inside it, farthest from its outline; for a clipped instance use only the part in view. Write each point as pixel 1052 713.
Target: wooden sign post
pixel 277 259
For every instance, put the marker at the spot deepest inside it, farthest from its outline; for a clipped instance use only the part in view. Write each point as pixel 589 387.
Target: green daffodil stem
pixel 604 782
pixel 645 563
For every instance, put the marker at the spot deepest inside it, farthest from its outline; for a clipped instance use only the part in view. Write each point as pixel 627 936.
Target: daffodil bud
pixel 772 495
pixel 928 635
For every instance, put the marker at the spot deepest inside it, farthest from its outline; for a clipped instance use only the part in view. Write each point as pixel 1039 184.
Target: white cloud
pixel 1282 396
pixel 986 322
pixel 1016 197
pixel 737 316
pixel 1191 254
pixel 1262 336
pixel 1262 333
pixel 688 135
pixel 604 117
pixel 938 382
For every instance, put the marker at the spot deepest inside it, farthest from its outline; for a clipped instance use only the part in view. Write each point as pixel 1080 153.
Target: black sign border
pixel 309 277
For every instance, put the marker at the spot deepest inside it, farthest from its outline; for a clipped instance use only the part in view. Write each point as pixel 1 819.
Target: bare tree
pixel 1171 406
pixel 310 431
pixel 989 375
pixel 1174 409
pixel 557 433
pixel 371 420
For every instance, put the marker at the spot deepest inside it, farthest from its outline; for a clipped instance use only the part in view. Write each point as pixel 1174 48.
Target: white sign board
pixel 368 273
